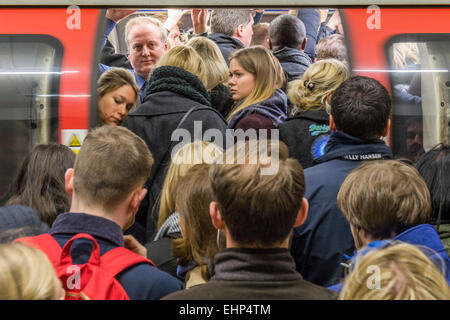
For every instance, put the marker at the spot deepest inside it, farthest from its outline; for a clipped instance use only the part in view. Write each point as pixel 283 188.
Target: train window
pixel 420 84
pixel 30 66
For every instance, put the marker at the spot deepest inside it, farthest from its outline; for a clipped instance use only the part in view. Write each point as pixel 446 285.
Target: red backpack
pixel 94 280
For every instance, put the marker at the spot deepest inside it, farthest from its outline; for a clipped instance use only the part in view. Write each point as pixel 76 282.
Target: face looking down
pixel 115 105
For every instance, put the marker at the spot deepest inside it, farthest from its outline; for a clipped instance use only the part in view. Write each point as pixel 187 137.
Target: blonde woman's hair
pixel 266 69
pixel 397 272
pixel 185 158
pixel 319 80
pixel 213 59
pixel 186 58
pixel 404 52
pixel 27 274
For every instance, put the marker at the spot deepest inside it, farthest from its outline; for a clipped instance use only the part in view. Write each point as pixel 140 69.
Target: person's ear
pixel 302 213
pixel 304 44
pixel 216 216
pixel 136 199
pixel 332 124
pixel 387 129
pixel 240 30
pixel 68 177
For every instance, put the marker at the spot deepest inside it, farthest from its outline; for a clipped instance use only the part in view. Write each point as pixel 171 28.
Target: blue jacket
pixel 141 282
pixel 421 235
pixel 319 245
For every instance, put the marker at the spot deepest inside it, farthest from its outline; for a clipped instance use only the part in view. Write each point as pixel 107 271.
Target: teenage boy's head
pixel 382 198
pixel 110 169
pixel 361 107
pixel 257 210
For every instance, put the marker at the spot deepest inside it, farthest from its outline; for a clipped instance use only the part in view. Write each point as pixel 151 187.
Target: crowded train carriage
pixel 199 143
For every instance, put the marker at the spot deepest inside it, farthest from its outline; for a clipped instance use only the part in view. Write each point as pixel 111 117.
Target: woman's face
pixel 241 81
pixel 115 105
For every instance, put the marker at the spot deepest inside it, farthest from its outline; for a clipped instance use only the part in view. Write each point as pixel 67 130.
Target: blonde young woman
pixel 118 94
pixel 306 131
pixel 217 76
pixel 169 231
pixel 256 79
pixel 176 102
pixel 397 272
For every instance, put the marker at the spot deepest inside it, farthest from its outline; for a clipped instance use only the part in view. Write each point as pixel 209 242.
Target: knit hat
pixel 19 221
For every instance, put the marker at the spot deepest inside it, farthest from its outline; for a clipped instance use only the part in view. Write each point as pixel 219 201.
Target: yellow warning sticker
pixel 74 142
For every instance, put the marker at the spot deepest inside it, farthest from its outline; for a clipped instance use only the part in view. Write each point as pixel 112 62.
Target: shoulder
pixel 255 121
pixel 145 282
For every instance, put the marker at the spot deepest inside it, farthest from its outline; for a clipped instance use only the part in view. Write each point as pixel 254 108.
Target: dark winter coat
pixel 294 62
pixel 171 93
pixel 226 44
pixel 319 244
pixel 221 99
pixel 254 274
pixel 306 135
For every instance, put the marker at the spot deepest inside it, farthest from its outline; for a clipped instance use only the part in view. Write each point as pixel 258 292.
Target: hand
pixel 173 16
pixel 200 19
pixel 118 14
pixel 132 244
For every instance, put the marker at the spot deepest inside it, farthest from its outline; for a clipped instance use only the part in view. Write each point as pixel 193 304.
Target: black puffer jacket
pixel 294 62
pixel 171 93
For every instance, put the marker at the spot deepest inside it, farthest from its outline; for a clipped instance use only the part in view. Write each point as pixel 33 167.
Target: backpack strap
pixel 46 243
pixel 118 259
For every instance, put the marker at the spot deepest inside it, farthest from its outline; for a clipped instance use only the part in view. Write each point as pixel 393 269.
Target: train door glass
pixel 30 66
pixel 420 84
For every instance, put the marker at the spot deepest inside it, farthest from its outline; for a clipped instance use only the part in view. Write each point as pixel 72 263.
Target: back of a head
pixel 384 198
pixel 287 31
pixel 434 167
pixel 213 59
pixel 185 57
pixel 397 272
pixel 319 80
pixel 40 180
pixel 226 21
pixel 183 159
pixel 111 163
pixel 258 208
pixel 332 47
pixel 361 107
pixel 260 34
pixel 27 274
pixel 194 194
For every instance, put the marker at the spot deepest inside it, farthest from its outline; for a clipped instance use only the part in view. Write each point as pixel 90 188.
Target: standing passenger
pixel 307 132
pixel 360 111
pixel 176 98
pixel 256 211
pixel 255 83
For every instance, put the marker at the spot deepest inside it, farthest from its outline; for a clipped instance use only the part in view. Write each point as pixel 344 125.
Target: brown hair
pixel 384 198
pixel 259 210
pixel 332 47
pixel 111 163
pixel 194 194
pixel 405 273
pixel 40 182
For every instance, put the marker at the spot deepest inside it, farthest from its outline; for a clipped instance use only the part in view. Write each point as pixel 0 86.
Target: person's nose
pixel 122 110
pixel 146 51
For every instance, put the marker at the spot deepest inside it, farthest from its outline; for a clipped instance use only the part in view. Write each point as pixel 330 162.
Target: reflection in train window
pixel 420 83
pixel 30 66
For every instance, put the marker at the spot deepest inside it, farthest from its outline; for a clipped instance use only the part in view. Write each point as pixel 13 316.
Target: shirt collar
pixel 98 227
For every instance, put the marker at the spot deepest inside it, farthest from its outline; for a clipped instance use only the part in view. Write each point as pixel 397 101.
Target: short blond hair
pixel 27 274
pixel 213 59
pixel 405 273
pixel 319 80
pixel 186 58
pixel 111 163
pixel 332 47
pixel 384 197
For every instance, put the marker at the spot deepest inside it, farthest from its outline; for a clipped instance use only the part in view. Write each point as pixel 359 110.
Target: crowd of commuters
pixel 173 196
